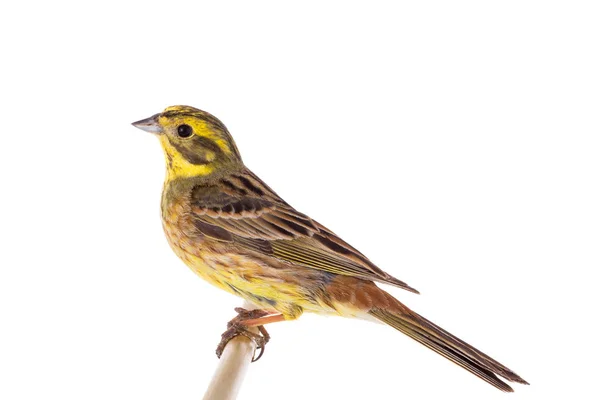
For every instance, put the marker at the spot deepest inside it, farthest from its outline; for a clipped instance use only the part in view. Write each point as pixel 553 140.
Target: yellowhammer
pixel 234 231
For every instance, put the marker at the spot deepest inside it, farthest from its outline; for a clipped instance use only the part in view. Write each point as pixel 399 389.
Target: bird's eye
pixel 184 131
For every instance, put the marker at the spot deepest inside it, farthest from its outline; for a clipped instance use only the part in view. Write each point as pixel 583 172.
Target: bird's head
pixel 195 142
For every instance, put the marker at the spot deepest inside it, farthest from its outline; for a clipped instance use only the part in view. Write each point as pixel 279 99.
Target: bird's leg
pixel 267 319
pixel 258 323
pixel 244 320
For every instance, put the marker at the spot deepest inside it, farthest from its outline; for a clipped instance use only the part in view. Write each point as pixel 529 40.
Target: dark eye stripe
pixel 195 149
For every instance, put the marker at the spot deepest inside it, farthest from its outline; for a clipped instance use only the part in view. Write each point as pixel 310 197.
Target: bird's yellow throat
pixel 179 167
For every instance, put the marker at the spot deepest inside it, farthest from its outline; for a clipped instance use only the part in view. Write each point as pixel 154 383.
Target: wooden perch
pixel 233 365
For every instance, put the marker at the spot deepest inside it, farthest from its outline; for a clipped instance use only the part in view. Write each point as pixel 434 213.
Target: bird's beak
pixel 149 125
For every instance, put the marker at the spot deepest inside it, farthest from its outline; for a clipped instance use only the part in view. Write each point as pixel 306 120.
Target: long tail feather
pixel 449 346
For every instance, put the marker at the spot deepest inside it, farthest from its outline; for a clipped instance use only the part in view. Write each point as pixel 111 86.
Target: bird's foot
pixel 236 327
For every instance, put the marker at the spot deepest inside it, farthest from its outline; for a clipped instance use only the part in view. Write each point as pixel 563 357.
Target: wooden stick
pixel 233 365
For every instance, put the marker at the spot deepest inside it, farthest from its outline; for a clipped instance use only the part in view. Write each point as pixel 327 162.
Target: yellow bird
pixel 234 231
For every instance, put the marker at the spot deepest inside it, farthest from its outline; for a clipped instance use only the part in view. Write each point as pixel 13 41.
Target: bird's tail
pixel 442 342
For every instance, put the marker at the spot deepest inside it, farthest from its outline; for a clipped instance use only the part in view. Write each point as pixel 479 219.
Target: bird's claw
pixel 236 327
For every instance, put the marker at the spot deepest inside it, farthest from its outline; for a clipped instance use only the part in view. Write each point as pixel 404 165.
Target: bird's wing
pixel 242 209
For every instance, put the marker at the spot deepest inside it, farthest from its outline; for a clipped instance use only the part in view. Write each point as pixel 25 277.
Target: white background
pixel 454 143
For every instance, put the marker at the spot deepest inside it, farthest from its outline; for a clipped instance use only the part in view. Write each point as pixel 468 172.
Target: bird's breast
pixel 266 281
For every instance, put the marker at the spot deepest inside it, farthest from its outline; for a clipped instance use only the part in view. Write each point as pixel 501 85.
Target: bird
pixel 235 232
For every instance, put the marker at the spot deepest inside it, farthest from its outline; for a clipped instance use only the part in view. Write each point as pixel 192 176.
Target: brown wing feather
pixel 244 210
